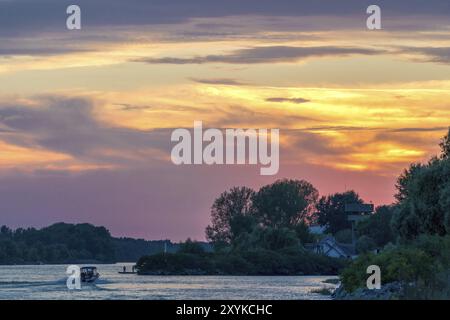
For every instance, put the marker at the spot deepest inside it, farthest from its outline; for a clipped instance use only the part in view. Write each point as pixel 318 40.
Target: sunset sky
pixel 86 115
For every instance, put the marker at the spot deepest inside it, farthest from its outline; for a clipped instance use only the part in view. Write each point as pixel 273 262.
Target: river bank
pixel 389 291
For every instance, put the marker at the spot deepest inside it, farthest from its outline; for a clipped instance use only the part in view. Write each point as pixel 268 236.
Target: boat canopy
pixel 89 268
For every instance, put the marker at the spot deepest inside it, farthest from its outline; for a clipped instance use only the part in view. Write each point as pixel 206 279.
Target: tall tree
pixel 331 211
pixel 378 226
pixel 424 197
pixel 404 181
pixel 285 203
pixel 231 214
pixel 424 201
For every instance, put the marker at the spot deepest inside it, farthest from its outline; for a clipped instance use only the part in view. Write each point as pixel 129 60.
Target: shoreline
pixel 332 276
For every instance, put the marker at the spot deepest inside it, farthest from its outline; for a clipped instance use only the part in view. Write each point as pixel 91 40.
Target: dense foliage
pixel 424 200
pixel 284 203
pixel 424 197
pixel 249 262
pixel 231 214
pixel 423 266
pixel 68 243
pixel 330 211
pixel 56 244
pixel 418 225
pixel 272 218
pixel 254 233
pixel 377 227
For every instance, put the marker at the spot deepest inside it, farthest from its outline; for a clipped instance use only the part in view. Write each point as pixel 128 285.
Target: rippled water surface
pixel 49 282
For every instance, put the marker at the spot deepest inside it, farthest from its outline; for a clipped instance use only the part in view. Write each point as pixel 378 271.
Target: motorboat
pixel 89 274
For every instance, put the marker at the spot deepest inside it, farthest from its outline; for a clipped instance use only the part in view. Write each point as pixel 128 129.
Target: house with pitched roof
pixel 331 248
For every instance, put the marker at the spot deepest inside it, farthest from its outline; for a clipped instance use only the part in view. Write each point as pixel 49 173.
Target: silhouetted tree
pixel 424 197
pixel 190 246
pixel 445 146
pixel 378 226
pixel 303 233
pixel 404 180
pixel 231 215
pixel 58 243
pixel 331 211
pixel 425 201
pixel 285 203
pixel 268 239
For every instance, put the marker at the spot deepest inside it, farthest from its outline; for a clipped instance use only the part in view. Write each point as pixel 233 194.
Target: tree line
pixel 256 228
pixel 279 216
pixel 73 243
pixel 419 257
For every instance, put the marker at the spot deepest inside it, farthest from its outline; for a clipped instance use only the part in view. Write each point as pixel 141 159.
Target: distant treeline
pixel 74 243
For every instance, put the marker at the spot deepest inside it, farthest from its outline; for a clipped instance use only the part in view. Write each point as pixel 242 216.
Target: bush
pixel 289 261
pixel 174 263
pixel 190 246
pixel 422 267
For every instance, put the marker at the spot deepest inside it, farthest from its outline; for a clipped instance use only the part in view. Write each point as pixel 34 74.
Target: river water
pixel 49 282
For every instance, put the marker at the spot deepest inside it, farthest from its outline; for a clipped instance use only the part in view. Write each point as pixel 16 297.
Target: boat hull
pixel 89 279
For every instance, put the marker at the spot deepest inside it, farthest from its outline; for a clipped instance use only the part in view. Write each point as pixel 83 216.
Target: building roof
pixel 345 250
pixel 316 229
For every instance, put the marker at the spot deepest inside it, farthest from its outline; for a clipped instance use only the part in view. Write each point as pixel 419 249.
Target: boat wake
pixel 31 283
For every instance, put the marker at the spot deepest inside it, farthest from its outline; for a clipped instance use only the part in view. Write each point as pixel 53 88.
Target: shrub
pixel 422 266
pixel 289 261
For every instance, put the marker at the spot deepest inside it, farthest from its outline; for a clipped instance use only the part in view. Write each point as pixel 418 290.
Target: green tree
pixel 5 231
pixel 285 203
pixel 423 200
pixel 331 211
pixel 57 243
pixel 378 226
pixel 404 181
pixel 422 266
pixel 423 197
pixel 231 215
pixel 303 233
pixel 192 247
pixel 268 239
